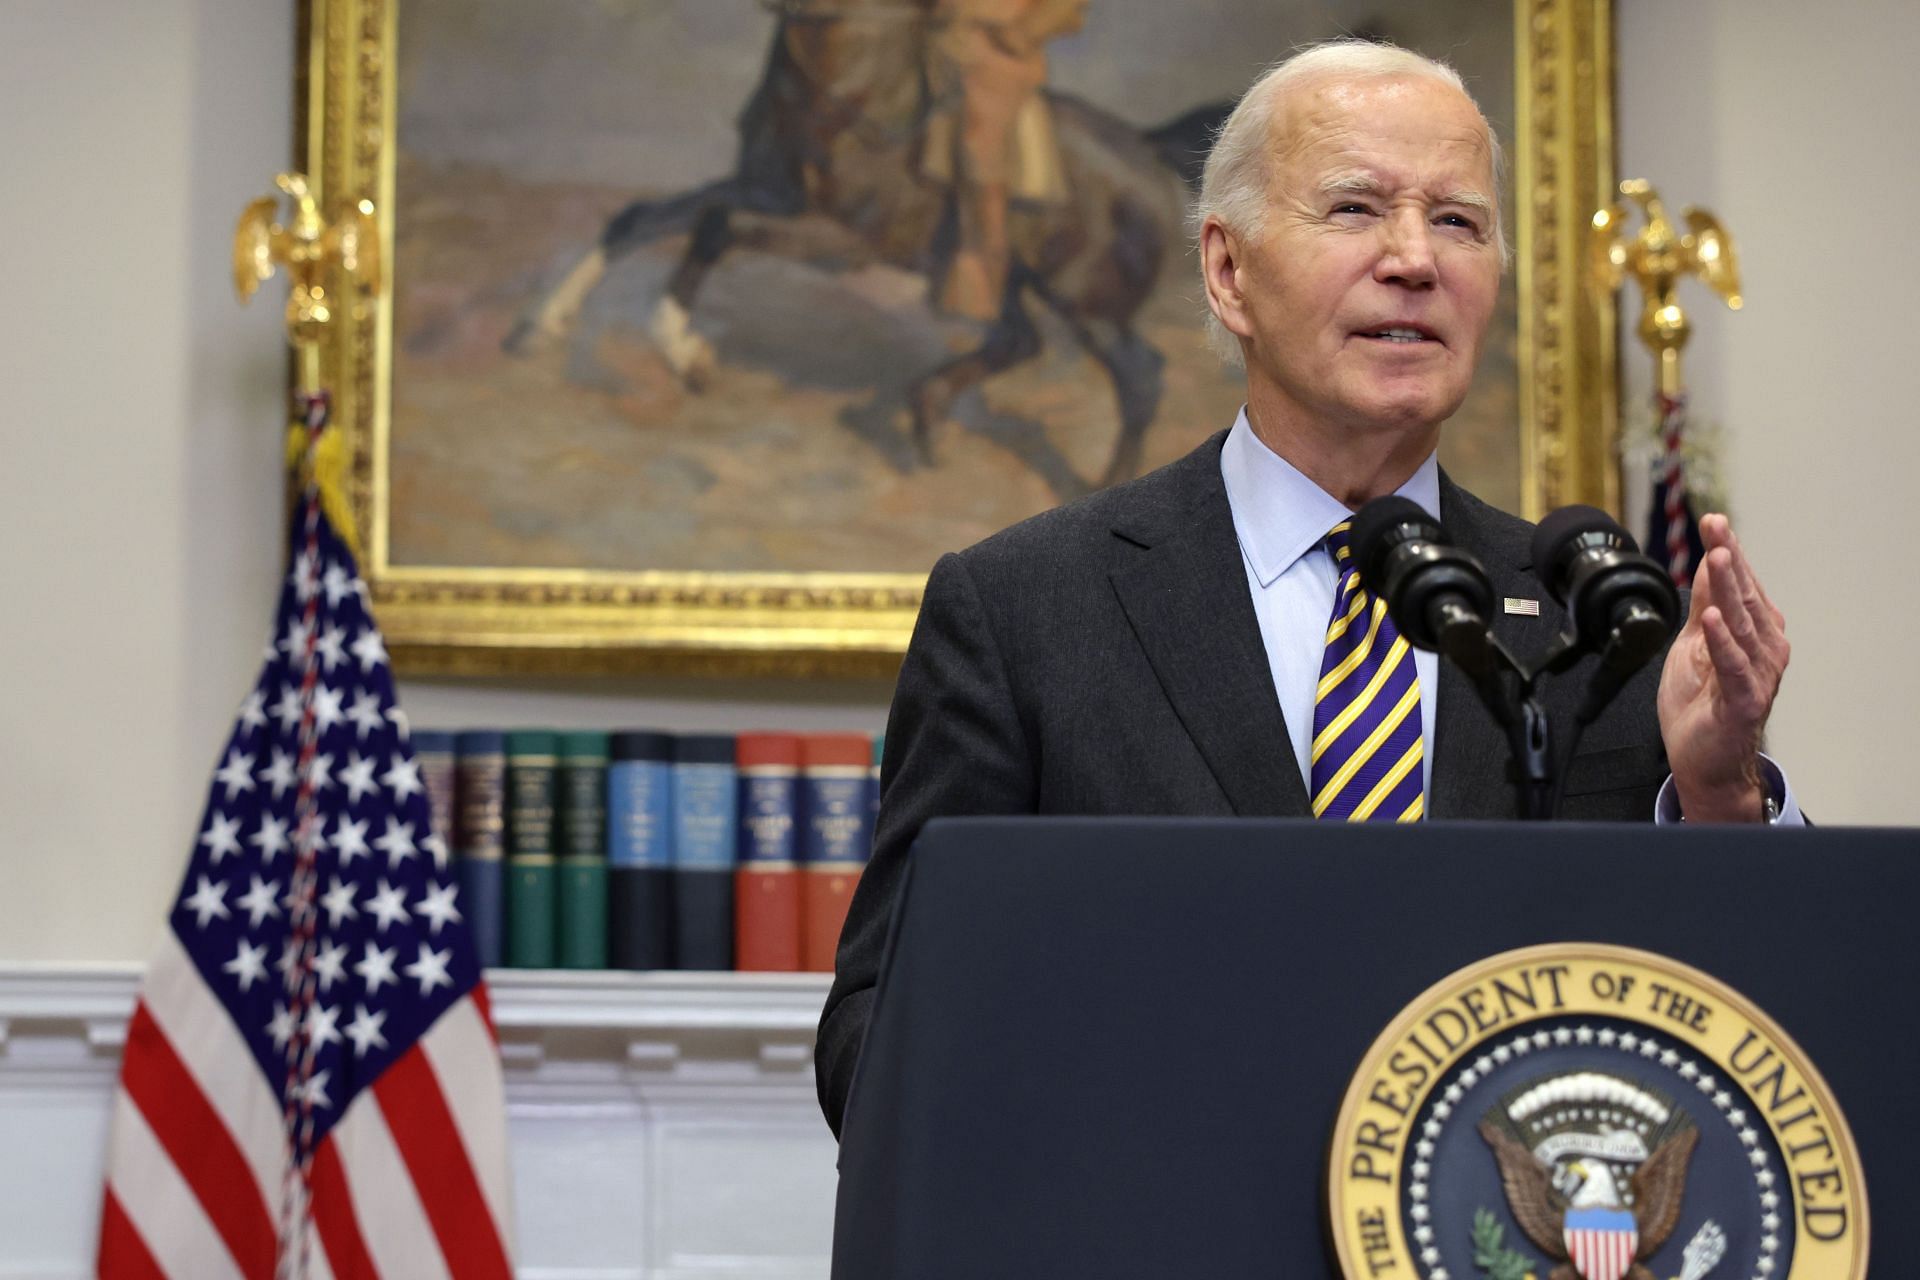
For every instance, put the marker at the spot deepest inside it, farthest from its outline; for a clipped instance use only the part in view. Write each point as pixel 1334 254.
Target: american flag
pixel 1673 533
pixel 311 1085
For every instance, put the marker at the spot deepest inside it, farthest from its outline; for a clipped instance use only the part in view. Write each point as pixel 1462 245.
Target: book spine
pixel 532 905
pixel 835 838
pixel 705 825
pixel 639 851
pixel 766 915
pixel 435 752
pixel 480 770
pixel 580 785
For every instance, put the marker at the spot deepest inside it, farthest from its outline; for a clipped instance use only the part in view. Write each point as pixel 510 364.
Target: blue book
pixel 705 828
pixel 640 834
pixel 480 844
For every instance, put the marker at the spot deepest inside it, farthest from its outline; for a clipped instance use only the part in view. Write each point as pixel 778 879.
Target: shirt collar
pixel 1279 514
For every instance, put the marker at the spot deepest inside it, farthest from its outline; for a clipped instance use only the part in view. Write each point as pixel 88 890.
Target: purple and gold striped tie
pixel 1366 712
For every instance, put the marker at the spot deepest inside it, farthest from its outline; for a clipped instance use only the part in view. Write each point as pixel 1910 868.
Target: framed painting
pixel 694 353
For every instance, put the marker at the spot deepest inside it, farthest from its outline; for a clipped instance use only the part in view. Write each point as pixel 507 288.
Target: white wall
pixel 139 505
pixel 1795 123
pixel 139 407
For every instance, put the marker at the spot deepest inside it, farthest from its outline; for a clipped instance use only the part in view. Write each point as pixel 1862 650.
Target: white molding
pixel 680 1104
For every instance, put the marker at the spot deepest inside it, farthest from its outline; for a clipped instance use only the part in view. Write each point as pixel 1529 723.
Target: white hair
pixel 1234 187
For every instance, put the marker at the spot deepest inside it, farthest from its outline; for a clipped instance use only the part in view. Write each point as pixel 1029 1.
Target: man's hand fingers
pixel 1739 684
pixel 1750 583
pixel 1736 612
pixel 1697 602
pixel 1717 531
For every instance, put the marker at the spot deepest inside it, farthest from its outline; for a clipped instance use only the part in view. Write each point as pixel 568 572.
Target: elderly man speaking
pixel 1193 642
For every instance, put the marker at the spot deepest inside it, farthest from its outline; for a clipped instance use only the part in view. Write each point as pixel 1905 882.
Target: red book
pixel 836 835
pixel 766 898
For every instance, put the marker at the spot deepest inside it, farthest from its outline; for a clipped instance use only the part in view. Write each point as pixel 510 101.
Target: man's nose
pixel 1406 250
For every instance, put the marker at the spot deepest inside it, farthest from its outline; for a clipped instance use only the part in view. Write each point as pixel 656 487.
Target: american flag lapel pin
pixel 1526 608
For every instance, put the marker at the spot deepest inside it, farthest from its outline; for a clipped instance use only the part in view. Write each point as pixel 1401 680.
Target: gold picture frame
pixel 470 620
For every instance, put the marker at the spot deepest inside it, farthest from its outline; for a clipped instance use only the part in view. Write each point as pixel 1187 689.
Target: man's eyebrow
pixel 1351 184
pixel 1367 185
pixel 1471 199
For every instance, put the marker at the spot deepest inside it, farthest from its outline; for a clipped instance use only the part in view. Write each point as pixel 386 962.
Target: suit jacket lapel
pixel 1470 755
pixel 1188 602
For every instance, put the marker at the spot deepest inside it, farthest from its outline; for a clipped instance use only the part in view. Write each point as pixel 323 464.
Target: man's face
pixel 1362 302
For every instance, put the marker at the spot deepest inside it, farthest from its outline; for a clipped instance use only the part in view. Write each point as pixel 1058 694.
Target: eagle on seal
pixel 1577 1216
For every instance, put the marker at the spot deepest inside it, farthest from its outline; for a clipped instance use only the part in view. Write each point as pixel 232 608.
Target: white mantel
pixel 663 1125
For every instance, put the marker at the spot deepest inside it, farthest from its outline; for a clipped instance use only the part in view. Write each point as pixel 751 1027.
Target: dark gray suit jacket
pixel 1104 658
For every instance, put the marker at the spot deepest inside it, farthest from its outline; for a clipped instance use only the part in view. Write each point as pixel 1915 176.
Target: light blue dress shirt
pixel 1282 519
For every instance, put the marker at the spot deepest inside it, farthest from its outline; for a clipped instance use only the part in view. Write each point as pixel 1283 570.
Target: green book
pixel 533 914
pixel 580 785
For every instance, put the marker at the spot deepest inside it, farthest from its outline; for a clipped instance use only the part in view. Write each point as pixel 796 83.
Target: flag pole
pixel 1658 258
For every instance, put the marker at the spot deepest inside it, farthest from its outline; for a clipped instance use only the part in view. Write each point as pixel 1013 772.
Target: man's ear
pixel 1220 269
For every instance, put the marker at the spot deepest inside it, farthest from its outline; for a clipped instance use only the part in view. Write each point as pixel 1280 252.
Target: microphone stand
pixel 1506 688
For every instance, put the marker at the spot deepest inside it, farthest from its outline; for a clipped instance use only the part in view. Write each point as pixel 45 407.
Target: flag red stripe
pixel 423 1129
pixel 195 1138
pixel 123 1254
pixel 334 1218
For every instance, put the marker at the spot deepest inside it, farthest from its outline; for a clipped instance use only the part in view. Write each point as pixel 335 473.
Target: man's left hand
pixel 1721 677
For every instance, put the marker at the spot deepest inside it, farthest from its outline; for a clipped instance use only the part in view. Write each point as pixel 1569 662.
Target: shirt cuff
pixel 1666 808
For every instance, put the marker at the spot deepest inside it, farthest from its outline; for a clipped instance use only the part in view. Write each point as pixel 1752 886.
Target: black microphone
pixel 1437 595
pixel 1623 605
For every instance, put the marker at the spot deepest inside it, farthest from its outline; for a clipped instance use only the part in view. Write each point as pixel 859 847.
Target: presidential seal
pixel 1588 1112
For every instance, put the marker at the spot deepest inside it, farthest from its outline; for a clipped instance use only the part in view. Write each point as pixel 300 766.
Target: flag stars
pixel 294 643
pixel 350 840
pixel 279 774
pixel 365 713
pixel 287 709
pixel 321 1028
pixel 259 902
pixel 370 649
pixel 282 1026
pixel 221 837
pixel 210 900
pixel 434 845
pixel 364 1030
pixel 357 777
pixel 430 969
pixel 403 778
pixel 337 902
pixel 326 707
pixel 319 772
pixel 249 964
pixel 397 843
pixel 236 774
pixel 314 1091
pixel 305 576
pixel 312 834
pixel 329 648
pixel 376 968
pixel 330 965
pixel 253 712
pixel 271 838
pixel 338 585
pixel 388 906
pixel 438 907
